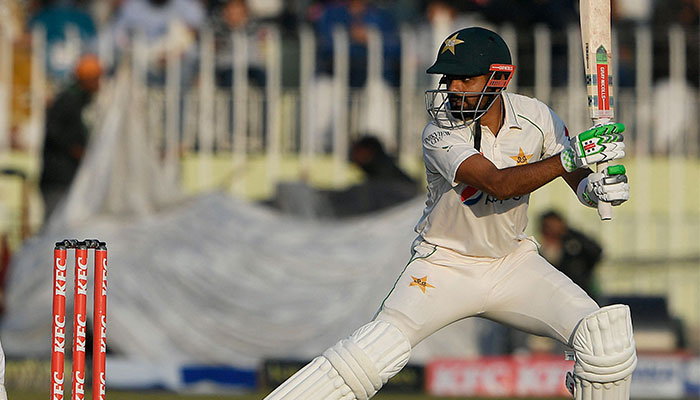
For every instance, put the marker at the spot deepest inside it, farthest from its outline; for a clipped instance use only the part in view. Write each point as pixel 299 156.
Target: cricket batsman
pixel 485 151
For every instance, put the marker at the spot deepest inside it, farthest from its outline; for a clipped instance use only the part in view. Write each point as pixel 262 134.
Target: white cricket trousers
pixel 522 290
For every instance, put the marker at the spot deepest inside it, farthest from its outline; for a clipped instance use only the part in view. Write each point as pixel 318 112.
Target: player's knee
pixel 414 331
pixel 604 345
pixel 370 357
pixel 605 353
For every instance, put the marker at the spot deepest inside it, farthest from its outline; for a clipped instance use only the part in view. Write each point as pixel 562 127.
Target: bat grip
pixel 604 208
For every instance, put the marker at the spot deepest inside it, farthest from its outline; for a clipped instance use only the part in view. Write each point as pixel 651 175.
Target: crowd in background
pixel 175 26
pixel 152 18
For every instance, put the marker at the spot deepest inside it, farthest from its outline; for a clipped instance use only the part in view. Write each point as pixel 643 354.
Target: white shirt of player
pixel 465 219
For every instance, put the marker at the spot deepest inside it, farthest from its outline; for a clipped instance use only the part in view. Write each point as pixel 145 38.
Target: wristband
pixel 583 196
pixel 567 160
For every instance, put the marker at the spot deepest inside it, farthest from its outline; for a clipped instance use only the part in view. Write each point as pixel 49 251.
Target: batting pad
pixel 318 380
pixel 369 357
pixel 618 390
pixel 354 369
pixel 605 354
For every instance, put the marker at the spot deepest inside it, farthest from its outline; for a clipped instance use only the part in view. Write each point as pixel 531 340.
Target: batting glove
pixel 598 144
pixel 609 186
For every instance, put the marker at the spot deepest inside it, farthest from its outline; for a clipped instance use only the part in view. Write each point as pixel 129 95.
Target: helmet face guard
pixel 449 109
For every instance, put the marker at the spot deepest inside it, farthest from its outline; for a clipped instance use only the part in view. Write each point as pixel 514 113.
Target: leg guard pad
pixel 318 380
pixel 355 368
pixel 605 354
pixel 370 357
pixel 618 390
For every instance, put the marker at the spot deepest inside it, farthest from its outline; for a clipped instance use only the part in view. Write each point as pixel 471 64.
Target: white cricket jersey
pixel 467 220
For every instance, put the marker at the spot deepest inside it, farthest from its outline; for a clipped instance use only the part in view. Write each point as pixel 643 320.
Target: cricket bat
pixel 597 52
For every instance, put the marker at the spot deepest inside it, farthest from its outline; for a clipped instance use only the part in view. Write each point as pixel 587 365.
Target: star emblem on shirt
pixel 450 44
pixel 521 158
pixel 422 283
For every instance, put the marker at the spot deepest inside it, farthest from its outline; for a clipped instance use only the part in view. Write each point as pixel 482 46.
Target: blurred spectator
pixel 167 25
pixel 58 18
pixel 14 20
pixel 440 11
pixel 267 9
pixel 443 17
pixel 104 11
pixel 676 100
pixel 368 154
pixel 232 16
pixel 314 10
pixel 556 14
pixel 626 16
pixel 570 251
pixel 631 11
pixel 683 12
pixel 385 185
pixel 66 133
pixel 358 16
pixel 666 15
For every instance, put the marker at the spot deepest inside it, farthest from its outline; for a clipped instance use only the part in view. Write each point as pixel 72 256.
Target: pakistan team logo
pixel 521 158
pixel 422 283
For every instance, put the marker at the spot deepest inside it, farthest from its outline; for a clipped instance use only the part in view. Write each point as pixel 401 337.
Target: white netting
pixel 209 279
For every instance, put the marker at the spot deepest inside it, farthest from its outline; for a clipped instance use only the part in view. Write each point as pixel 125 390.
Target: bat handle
pixel 604 208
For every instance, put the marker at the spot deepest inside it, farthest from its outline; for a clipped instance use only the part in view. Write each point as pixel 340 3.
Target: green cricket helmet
pixel 468 52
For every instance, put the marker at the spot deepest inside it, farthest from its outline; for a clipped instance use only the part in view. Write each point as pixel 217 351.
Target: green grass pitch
pixel 153 395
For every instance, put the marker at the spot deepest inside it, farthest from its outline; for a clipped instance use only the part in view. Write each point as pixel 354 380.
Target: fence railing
pixel 290 110
pixel 325 111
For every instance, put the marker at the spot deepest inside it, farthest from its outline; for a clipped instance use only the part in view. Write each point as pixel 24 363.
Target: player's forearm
pixel 523 179
pixel 574 178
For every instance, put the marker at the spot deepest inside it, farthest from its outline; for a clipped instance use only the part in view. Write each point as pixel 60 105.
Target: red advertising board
pixel 507 376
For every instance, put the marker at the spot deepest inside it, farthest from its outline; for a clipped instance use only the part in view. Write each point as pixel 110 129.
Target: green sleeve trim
pixel 534 124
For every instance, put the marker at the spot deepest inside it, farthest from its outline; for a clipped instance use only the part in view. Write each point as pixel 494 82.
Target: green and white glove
pixel 609 186
pixel 598 144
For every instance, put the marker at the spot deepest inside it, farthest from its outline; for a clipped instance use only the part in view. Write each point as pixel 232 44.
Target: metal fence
pixel 295 112
pixel 298 111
